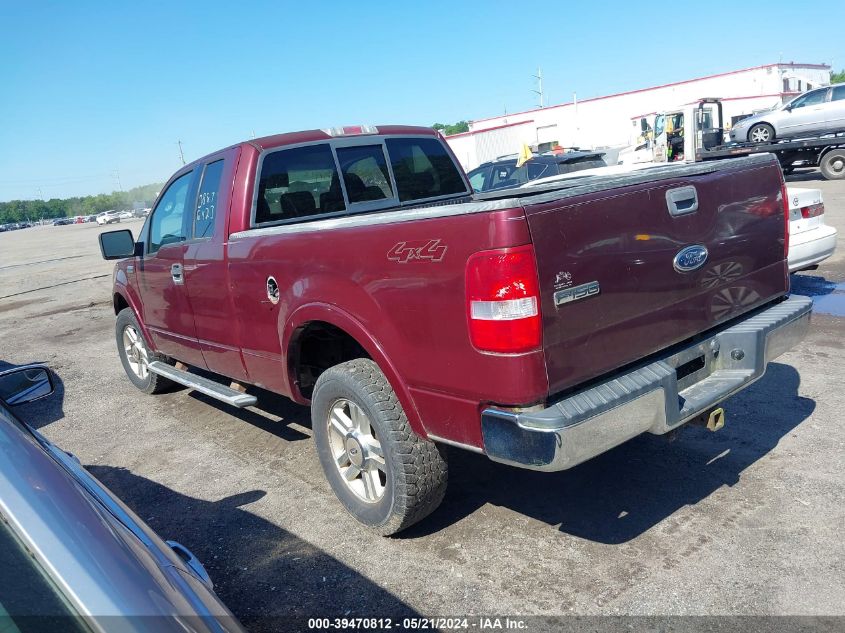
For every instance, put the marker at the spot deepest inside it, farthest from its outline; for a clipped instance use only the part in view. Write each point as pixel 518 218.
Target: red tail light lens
pixel 812 211
pixel 503 300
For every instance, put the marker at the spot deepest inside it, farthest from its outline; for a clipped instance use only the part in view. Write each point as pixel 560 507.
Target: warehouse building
pixel 613 121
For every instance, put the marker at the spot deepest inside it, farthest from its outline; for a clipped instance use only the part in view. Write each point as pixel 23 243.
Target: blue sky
pixel 96 90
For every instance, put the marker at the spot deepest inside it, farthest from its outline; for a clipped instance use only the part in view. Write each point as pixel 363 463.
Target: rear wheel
pixel 761 133
pixel 832 164
pixel 385 475
pixel 135 355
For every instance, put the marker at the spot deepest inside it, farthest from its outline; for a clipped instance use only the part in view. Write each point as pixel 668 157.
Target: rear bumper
pixel 652 398
pixel 811 247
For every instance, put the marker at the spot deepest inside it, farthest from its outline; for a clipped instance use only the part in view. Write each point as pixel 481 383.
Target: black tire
pixel 788 170
pixel 415 471
pixel 832 164
pixel 763 132
pixel 150 382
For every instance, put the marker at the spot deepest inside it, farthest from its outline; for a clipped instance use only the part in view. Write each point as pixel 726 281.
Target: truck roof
pixel 307 136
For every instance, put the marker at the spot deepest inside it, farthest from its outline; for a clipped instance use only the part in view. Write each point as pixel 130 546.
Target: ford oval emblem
pixel 690 258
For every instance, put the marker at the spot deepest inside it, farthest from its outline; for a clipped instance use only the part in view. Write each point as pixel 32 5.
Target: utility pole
pixel 181 155
pixel 116 174
pixel 539 78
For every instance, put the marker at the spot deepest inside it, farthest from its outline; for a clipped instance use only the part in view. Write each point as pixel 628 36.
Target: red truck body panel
pixel 625 239
pixel 410 314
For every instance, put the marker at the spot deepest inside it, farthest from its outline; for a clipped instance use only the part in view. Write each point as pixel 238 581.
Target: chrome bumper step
pixel 203 385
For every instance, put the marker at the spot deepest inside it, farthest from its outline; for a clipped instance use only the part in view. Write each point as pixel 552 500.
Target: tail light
pixel 503 300
pixel 812 211
pixel 785 195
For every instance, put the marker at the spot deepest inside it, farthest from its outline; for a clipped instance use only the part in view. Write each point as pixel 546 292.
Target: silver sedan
pixel 820 111
pixel 72 556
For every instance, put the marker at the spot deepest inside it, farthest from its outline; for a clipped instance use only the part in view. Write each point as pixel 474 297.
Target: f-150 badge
pixel 404 252
pixel 583 291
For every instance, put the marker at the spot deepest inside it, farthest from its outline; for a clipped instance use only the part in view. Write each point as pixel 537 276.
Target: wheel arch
pixel 123 298
pixel 753 125
pixel 317 314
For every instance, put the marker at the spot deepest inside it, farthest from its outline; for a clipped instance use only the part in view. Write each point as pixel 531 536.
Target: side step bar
pixel 203 385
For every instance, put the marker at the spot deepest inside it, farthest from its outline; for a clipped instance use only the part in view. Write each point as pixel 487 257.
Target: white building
pixel 612 121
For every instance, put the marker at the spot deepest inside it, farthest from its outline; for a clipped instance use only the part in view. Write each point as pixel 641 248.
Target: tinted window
pixel 811 98
pixel 423 169
pixel 538 170
pixel 298 183
pixel 838 93
pixel 587 162
pixel 508 175
pixel 365 173
pixel 206 211
pixel 27 590
pixel 168 220
pixel 478 178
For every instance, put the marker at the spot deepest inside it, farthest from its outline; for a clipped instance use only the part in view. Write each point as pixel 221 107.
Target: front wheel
pixel 761 133
pixel 385 475
pixel 135 355
pixel 832 165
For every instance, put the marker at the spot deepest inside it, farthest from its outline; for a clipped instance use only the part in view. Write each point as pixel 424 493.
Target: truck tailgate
pixel 614 287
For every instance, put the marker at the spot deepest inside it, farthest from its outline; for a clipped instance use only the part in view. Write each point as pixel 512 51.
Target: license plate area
pixel 694 363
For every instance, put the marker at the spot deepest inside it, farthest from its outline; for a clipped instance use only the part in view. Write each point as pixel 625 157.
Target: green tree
pixel 33 210
pixel 452 128
pixel 837 78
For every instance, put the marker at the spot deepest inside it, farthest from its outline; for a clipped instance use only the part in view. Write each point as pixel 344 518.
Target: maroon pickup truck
pixel 354 270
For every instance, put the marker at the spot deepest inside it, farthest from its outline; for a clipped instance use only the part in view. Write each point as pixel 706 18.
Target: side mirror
pixel 788 107
pixel 25 384
pixel 117 244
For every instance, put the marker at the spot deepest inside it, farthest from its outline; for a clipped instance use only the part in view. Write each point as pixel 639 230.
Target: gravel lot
pixel 745 521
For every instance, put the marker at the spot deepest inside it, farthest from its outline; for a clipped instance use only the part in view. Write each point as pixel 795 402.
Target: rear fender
pixel 337 317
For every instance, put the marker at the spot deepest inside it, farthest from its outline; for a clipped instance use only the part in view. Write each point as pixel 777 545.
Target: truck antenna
pixel 181 154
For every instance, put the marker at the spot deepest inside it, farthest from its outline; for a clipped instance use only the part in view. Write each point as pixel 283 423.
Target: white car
pixel 126 215
pixel 108 217
pixel 810 240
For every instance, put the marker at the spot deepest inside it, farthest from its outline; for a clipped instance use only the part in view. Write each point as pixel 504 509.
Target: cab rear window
pixel 423 169
pixel 298 183
pixel 308 182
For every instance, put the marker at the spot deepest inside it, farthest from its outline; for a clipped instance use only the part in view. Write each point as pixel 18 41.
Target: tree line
pixel 34 210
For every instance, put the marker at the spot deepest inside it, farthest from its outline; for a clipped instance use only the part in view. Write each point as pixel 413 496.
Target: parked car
pixel 126 215
pixel 354 270
pixel 91 218
pixel 108 217
pixel 76 550
pixel 811 241
pixel 503 172
pixel 819 111
pixel 62 221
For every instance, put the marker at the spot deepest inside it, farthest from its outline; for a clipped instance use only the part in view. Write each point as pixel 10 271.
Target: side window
pixel 503 176
pixel 838 93
pixel 167 223
pixel 298 183
pixel 478 178
pixel 206 211
pixel 365 174
pixel 423 169
pixel 811 98
pixel 538 170
pixel 33 592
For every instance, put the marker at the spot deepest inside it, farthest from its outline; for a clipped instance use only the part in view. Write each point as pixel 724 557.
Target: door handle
pixel 176 274
pixel 682 200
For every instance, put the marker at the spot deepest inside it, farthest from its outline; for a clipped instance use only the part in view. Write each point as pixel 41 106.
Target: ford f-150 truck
pixel 353 269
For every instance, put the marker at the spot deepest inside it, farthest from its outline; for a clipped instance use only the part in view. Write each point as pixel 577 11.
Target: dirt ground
pixel 745 521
